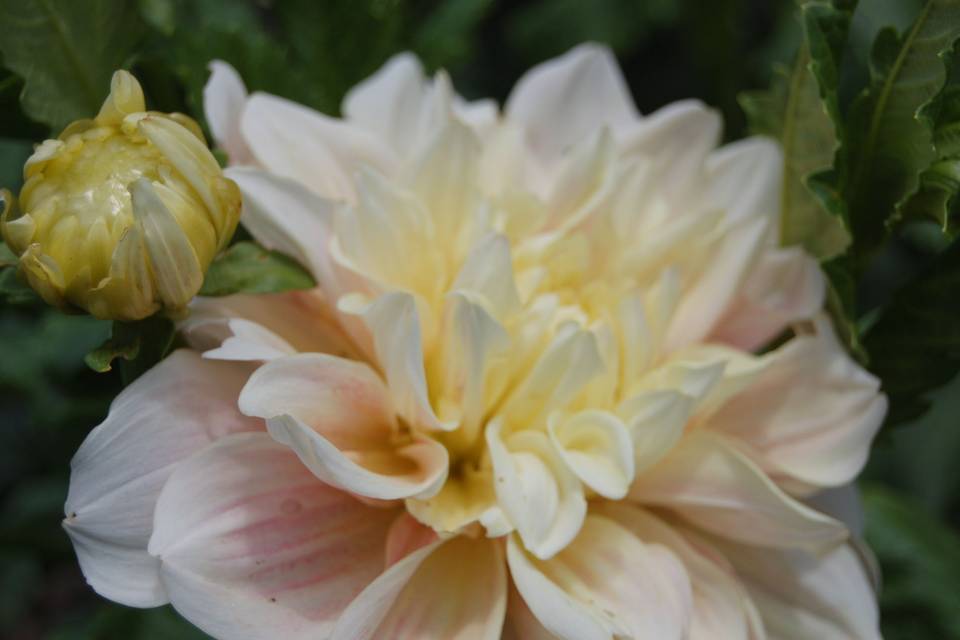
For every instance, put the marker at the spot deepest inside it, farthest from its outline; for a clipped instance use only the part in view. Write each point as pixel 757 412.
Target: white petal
pixel 454 590
pixel 597 447
pixel 250 341
pixel 801 595
pixel 336 414
pixel 252 546
pixel 170 412
pixel 319 152
pixel 285 216
pixel 539 495
pixel 390 103
pixel 708 482
pixel 224 97
pixel 564 100
pixel 721 607
pixel 606 583
pixel 784 287
pixel 744 179
pixel 826 447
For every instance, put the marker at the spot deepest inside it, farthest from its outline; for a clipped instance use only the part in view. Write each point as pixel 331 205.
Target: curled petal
pixel 336 414
pixel 597 447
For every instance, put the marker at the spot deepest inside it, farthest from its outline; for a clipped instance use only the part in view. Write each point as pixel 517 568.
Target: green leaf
pixel 921 564
pixel 13 290
pixel 889 142
pixel 248 268
pixel 139 345
pixel 66 52
pixel 915 343
pixel 936 194
pixel 796 110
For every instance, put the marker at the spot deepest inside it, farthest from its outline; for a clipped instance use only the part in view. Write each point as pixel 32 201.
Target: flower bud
pixel 121 215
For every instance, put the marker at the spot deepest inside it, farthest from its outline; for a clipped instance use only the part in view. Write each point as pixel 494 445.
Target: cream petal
pixel 285 216
pixel 337 416
pixel 566 99
pixel 655 421
pixel 539 495
pixel 801 595
pixel 456 590
pixel 708 482
pixel 598 449
pixel 317 151
pixel 567 365
pixel 393 320
pixel 488 272
pixel 224 97
pixel 170 412
pixel 445 180
pixel 252 546
pixel 405 536
pixel 722 609
pixel 786 286
pixel 606 583
pixel 583 181
pixel 823 448
pixel 521 624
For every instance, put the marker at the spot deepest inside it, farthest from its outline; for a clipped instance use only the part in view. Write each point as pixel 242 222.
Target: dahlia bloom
pixel 533 396
pixel 121 215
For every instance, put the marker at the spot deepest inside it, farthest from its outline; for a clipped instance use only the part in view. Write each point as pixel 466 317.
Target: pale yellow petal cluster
pixel 121 215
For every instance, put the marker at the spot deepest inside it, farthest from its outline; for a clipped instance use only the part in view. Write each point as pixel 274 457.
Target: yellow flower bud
pixel 121 215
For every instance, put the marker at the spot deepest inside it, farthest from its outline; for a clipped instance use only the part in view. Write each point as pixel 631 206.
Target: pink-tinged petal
pixel 721 607
pixel 730 258
pixel 744 179
pixel 319 152
pixel 224 97
pixel 406 535
pixel 606 583
pixel 786 286
pixel 285 216
pixel 808 449
pixel 336 414
pixel 172 411
pixel 521 624
pixel 565 100
pixel 242 326
pixel 707 481
pixel 253 546
pixel 455 590
pixel 802 595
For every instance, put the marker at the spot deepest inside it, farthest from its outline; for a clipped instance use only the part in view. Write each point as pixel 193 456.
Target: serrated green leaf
pixel 888 143
pixel 124 342
pixel 249 268
pixel 66 52
pixel 796 110
pixel 921 563
pixel 914 345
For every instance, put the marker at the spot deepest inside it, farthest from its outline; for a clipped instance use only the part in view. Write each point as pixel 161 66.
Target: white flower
pixel 524 401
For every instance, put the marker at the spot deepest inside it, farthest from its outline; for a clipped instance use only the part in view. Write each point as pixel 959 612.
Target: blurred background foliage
pixel 57 57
